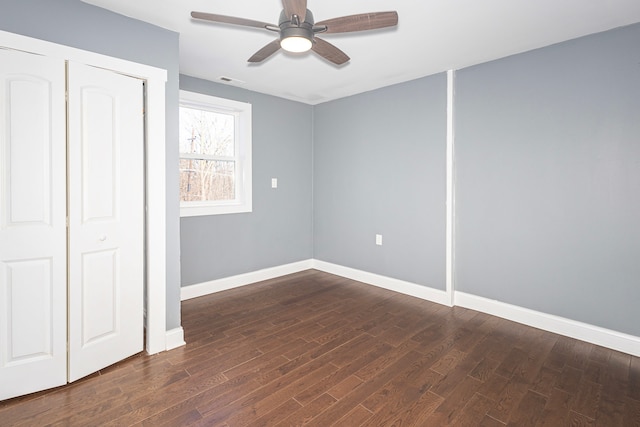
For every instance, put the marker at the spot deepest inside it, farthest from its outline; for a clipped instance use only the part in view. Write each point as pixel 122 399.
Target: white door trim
pixel 155 255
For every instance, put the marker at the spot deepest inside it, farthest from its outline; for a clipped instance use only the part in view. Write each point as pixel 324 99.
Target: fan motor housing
pixel 288 27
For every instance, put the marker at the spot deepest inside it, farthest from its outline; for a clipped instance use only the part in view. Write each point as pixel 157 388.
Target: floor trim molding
pixel 175 338
pixel 226 283
pixel 582 331
pixel 396 285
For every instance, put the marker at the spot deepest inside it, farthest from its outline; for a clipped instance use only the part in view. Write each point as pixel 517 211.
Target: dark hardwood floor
pixel 320 350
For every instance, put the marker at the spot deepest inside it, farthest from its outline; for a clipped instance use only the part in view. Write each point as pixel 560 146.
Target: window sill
pixel 203 210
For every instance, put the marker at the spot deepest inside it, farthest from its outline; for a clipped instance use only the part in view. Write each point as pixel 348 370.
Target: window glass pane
pixel 202 180
pixel 207 132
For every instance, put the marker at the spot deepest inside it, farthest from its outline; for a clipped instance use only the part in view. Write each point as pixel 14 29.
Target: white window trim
pixel 242 110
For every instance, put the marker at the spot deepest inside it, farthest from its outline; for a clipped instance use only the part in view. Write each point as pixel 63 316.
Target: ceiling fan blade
pixel 230 20
pixel 295 7
pixel 329 51
pixel 360 22
pixel 266 51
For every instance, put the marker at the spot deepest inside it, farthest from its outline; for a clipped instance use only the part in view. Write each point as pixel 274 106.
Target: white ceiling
pixel 431 36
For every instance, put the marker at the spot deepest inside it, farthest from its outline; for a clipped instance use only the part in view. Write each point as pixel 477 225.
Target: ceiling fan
pixel 297 29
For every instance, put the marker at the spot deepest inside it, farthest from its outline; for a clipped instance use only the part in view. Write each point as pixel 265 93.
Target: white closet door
pixel 33 266
pixel 106 214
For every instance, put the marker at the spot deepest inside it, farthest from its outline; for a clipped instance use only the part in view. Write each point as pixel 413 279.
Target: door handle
pixel 103 238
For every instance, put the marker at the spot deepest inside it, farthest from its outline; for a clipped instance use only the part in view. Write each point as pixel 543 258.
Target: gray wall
pixel 279 229
pixel 77 24
pixel 548 180
pixel 547 172
pixel 379 168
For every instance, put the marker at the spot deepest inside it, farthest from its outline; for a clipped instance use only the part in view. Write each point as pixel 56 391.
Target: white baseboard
pixel 596 335
pixel 206 288
pixel 175 338
pixel 396 285
pixel 582 331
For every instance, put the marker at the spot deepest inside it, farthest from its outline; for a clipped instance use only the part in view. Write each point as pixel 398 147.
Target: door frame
pixel 155 167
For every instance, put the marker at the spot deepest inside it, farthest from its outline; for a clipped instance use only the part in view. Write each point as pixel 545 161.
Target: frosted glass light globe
pixel 295 44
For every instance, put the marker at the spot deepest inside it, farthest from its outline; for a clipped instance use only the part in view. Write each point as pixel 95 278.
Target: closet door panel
pixel 33 303
pixel 106 218
pixel 100 167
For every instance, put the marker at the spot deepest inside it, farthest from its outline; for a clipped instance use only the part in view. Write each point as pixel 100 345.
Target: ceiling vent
pixel 226 79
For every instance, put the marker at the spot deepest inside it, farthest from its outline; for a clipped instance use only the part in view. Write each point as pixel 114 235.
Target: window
pixel 215 155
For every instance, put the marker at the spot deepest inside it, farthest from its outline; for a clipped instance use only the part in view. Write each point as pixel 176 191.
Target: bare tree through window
pixel 207 155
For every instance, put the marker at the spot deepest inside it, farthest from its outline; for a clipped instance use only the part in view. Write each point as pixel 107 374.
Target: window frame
pixel 243 147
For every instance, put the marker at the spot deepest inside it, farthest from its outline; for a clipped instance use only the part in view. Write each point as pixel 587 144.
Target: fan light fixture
pixel 297 29
pixel 295 44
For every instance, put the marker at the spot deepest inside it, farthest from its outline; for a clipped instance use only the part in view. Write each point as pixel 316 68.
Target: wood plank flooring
pixel 316 349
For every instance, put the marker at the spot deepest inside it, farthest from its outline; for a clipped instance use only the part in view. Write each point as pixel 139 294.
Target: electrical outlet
pixel 379 239
pixel 274 182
